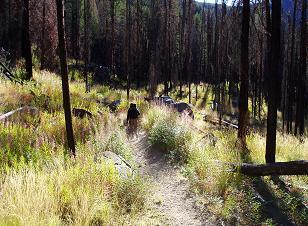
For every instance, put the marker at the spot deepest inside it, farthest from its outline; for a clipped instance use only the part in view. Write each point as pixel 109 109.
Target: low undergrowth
pixel 228 195
pixel 170 133
pixel 231 195
pixel 40 184
pixel 74 193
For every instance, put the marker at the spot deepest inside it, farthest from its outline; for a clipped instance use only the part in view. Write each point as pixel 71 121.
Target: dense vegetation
pixel 84 191
pixel 241 69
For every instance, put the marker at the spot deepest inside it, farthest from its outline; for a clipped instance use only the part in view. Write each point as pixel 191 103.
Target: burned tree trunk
pixel 274 83
pixel 301 83
pixel 267 60
pixel 43 37
pixel 112 16
pixel 244 73
pixel 86 48
pixel 65 83
pixel 291 76
pixel 127 50
pixel 275 169
pixel 26 40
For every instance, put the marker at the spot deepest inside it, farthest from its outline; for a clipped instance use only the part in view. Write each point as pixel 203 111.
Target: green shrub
pixel 19 144
pixel 155 114
pixel 172 138
pixel 117 143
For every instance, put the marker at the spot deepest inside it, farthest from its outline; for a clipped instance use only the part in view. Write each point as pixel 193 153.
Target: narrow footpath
pixel 172 197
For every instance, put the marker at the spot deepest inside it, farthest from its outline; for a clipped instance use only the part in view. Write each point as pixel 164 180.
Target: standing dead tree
pixel 65 83
pixel 244 71
pixel 274 82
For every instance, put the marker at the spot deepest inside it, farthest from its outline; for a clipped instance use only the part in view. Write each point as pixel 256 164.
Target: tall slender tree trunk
pixel 65 83
pixel 303 73
pixel 182 47
pixel 26 39
pixel 165 50
pixel 170 55
pixel 209 47
pixel 43 37
pixel 274 82
pixel 127 49
pixel 139 46
pixel 291 73
pixel 267 58
pixel 244 74
pixel 189 53
pixel 86 48
pixel 112 11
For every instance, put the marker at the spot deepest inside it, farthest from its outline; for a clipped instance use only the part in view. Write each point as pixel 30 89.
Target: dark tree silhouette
pixel 244 71
pixel 43 36
pixel 301 83
pixel 86 49
pixel 26 40
pixel 274 82
pixel 64 74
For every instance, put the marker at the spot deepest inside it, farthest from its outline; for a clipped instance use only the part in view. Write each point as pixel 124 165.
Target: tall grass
pixel 39 185
pixel 80 193
pixel 168 132
pixel 230 194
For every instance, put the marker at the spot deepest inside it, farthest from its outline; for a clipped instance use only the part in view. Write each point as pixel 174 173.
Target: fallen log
pixel 273 169
pixel 230 124
pixel 224 122
pixel 7 73
pixel 81 113
pixel 16 114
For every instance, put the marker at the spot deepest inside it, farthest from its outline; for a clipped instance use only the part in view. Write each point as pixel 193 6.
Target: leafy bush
pixel 19 144
pixel 117 143
pixel 155 114
pixel 173 138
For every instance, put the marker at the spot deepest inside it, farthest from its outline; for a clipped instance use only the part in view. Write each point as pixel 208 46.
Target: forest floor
pixel 182 185
pixel 172 197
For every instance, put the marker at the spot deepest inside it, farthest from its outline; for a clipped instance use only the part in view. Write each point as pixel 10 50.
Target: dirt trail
pixel 172 198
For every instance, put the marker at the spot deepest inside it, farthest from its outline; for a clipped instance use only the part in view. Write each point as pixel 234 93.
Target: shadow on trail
pixel 269 201
pixel 270 204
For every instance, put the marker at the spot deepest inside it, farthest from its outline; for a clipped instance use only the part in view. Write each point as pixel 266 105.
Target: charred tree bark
pixel 188 48
pixel 275 169
pixel 267 60
pixel 209 47
pixel 138 58
pixel 127 53
pixel 274 83
pixel 112 12
pixel 64 74
pixel 244 73
pixel 182 47
pixel 26 40
pixel 291 74
pixel 86 48
pixel 43 37
pixel 302 76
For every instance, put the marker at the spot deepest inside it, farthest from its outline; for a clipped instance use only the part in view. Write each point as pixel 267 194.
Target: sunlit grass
pixel 84 192
pixel 75 193
pixel 39 184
